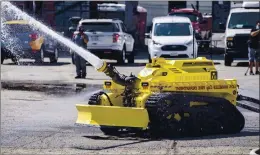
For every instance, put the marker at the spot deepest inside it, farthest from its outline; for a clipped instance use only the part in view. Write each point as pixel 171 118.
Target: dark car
pixel 7 54
pixel 32 43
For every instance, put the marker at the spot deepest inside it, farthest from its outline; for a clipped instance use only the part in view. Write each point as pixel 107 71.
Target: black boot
pixel 83 76
pixel 257 72
pixel 251 73
pixel 78 77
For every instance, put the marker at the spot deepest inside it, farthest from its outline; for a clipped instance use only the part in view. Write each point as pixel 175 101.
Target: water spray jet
pixel 9 8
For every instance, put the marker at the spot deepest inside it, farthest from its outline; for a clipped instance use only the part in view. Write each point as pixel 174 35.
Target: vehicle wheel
pixel 228 60
pixel 15 60
pixel 131 57
pixel 2 59
pixel 149 58
pixel 121 57
pixel 54 57
pixel 40 56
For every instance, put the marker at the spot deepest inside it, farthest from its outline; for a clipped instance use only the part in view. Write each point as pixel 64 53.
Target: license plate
pixel 173 54
pixel 95 38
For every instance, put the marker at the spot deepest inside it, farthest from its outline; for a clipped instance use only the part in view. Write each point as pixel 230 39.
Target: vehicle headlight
pixel 229 38
pixel 230 44
pixel 156 43
pixel 189 42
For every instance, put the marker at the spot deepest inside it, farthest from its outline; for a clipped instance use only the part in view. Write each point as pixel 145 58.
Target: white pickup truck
pixel 109 39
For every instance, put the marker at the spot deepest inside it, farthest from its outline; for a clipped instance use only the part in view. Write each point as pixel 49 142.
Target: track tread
pixel 218 117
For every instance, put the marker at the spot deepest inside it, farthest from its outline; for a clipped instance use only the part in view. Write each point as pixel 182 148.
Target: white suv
pixel 109 39
pixel 171 37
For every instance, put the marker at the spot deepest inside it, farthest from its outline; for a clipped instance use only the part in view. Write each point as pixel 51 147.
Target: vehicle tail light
pixel 115 37
pixel 33 36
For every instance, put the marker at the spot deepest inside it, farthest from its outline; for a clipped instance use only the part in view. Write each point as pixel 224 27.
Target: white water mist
pixel 7 38
pixel 16 12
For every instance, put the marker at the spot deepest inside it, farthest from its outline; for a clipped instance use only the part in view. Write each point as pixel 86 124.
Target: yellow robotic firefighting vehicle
pixel 167 96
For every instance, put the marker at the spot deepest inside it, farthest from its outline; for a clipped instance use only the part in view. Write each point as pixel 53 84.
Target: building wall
pixel 236 4
pixel 154 9
pixel 205 6
pixel 160 8
pixel 68 9
pixel 46 14
pixel 220 12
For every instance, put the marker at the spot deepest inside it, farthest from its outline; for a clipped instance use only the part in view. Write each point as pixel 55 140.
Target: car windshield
pixel 172 29
pixel 192 17
pixel 243 20
pixel 100 27
pixel 19 28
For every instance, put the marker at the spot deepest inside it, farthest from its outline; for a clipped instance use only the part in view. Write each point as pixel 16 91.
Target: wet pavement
pixel 57 89
pixel 39 123
pixel 38 114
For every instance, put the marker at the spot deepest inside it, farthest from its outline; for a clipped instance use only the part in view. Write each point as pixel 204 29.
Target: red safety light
pixel 115 37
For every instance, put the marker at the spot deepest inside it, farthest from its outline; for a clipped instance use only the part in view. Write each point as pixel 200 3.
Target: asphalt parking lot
pixel 42 122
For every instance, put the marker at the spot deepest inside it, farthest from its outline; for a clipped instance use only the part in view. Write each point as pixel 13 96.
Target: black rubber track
pixel 219 116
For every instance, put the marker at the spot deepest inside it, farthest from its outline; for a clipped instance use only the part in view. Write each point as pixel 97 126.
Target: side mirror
pixel 222 26
pixel 149 29
pixel 147 35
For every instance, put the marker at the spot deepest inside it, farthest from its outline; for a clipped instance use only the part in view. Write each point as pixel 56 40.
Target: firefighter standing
pixel 80 39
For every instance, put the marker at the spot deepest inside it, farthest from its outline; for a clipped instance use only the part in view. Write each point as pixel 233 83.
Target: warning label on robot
pixel 209 87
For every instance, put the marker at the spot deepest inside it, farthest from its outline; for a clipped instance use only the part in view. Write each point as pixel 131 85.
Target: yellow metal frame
pixel 112 116
pixel 196 75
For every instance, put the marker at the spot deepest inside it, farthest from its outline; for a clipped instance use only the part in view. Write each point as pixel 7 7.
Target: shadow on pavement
pixel 109 147
pixel 55 88
pixel 144 136
pixel 241 134
pixel 147 139
pixel 242 64
pixel 26 63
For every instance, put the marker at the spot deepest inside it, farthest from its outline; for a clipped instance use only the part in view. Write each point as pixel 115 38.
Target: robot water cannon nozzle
pixel 118 78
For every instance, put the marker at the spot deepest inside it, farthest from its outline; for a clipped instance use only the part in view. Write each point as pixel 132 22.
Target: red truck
pixel 202 25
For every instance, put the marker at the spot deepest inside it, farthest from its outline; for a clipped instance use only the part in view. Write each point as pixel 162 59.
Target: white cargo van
pixel 238 27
